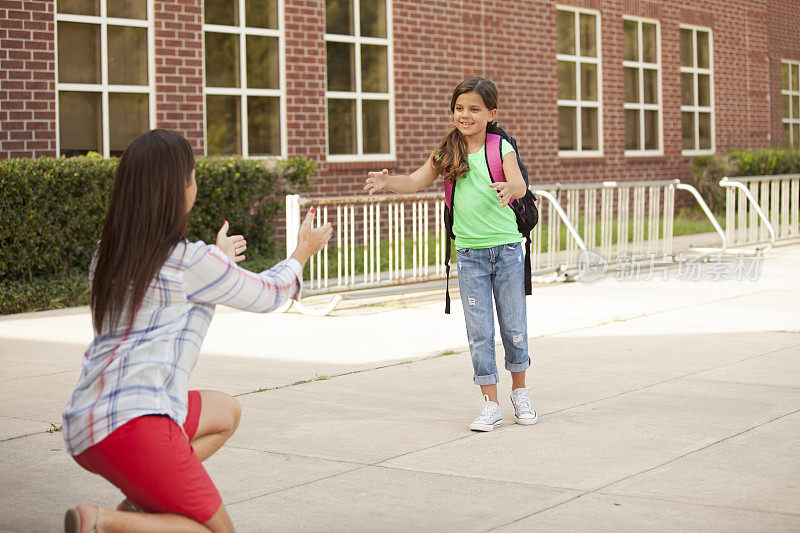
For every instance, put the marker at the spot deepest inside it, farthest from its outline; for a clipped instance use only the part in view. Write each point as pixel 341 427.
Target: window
pixel 244 77
pixel 697 90
pixel 641 59
pixel 359 91
pixel 579 82
pixel 104 75
pixel 790 94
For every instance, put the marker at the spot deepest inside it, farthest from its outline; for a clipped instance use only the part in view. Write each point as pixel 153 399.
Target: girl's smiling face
pixel 470 114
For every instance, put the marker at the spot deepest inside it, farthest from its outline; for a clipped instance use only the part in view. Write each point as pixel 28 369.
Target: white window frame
pixel 243 92
pixel 696 108
pixel 790 92
pixel 357 40
pixel 104 88
pixel 640 65
pixel 579 103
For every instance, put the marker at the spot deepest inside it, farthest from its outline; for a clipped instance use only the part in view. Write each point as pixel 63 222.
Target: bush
pixel 707 170
pixel 52 212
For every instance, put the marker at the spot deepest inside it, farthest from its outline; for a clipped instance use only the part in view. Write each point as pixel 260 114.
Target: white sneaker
pixel 524 413
pixel 490 418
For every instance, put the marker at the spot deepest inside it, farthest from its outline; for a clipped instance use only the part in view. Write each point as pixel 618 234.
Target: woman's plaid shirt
pixel 146 370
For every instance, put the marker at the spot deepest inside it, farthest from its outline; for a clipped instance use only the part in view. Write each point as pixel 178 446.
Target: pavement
pixel 665 404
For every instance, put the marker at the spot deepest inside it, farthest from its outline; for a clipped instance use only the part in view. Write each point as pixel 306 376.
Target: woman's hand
pixel 233 245
pixel 376 181
pixel 311 240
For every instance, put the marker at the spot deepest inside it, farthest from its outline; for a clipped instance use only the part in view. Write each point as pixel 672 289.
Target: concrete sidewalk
pixel 664 406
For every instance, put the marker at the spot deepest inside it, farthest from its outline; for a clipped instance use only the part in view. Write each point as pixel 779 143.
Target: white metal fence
pixel 760 210
pixel 396 239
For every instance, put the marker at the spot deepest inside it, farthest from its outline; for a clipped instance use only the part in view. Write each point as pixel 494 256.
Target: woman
pixel 131 418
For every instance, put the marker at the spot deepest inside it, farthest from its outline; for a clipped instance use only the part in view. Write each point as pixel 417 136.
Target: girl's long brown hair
pixel 145 220
pixel 450 157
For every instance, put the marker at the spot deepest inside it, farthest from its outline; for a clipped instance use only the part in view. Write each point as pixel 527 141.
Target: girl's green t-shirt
pixel 479 220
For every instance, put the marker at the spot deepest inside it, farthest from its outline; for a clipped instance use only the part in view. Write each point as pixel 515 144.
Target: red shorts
pixel 151 461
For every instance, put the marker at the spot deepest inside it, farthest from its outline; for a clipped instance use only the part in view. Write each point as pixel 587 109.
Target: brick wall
pixel 179 68
pixel 518 54
pixel 27 79
pixel 435 48
pixel 784 43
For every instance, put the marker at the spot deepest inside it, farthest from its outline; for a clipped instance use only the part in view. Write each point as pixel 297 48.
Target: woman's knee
pixel 236 414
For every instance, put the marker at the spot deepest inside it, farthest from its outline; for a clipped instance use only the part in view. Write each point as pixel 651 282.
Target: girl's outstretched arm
pixel 420 178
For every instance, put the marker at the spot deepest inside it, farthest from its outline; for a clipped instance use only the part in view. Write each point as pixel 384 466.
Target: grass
pixel 55 428
pixel 447 352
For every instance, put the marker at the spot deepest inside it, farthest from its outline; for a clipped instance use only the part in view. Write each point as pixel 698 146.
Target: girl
pixel 131 418
pixel 488 249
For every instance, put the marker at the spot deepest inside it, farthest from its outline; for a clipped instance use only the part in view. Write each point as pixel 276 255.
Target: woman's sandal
pixel 73 522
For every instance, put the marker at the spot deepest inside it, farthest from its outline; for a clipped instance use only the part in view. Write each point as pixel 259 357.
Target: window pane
pixel 650 82
pixel 79 52
pixel 589 128
pixel 787 135
pixel 795 69
pixel 651 130
pixel 687 88
pixel 222 60
pixel 341 126
pixel 785 76
pixel 565 27
pixel 79 7
pixel 223 12
pixel 703 90
pixel 704 128
pixel 567 129
pixel 566 80
pixel 374 69
pixel 263 125
pixel 687 48
pixel 373 18
pixel 375 120
pixel 630 40
pixel 127 9
pixel 795 106
pixel 589 82
pixel 688 131
pixel 631 85
pixel 261 14
pixel 224 125
pixel 588 35
pixel 127 119
pixel 786 104
pixel 341 71
pixel 796 135
pixel 339 17
pixel 632 135
pixel 649 43
pixel 127 55
pixel 262 62
pixel 79 123
pixel 702 49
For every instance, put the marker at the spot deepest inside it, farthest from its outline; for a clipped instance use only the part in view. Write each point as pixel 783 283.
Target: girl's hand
pixel 311 240
pixel 233 245
pixel 376 181
pixel 503 192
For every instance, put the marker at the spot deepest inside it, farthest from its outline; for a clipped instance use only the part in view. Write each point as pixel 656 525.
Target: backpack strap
pixel 494 157
pixel 448 200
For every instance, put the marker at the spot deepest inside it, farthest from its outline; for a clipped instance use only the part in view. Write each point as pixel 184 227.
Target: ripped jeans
pixel 500 271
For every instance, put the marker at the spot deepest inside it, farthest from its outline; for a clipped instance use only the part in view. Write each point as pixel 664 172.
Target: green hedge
pixel 707 170
pixel 52 212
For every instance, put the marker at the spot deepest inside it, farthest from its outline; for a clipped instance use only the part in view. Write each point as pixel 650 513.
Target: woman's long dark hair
pixel 450 155
pixel 145 220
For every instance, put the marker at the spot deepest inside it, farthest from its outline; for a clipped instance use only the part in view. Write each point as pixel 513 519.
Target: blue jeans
pixel 500 271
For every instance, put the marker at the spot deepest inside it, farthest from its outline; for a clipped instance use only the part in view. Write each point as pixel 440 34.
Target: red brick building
pixel 593 90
